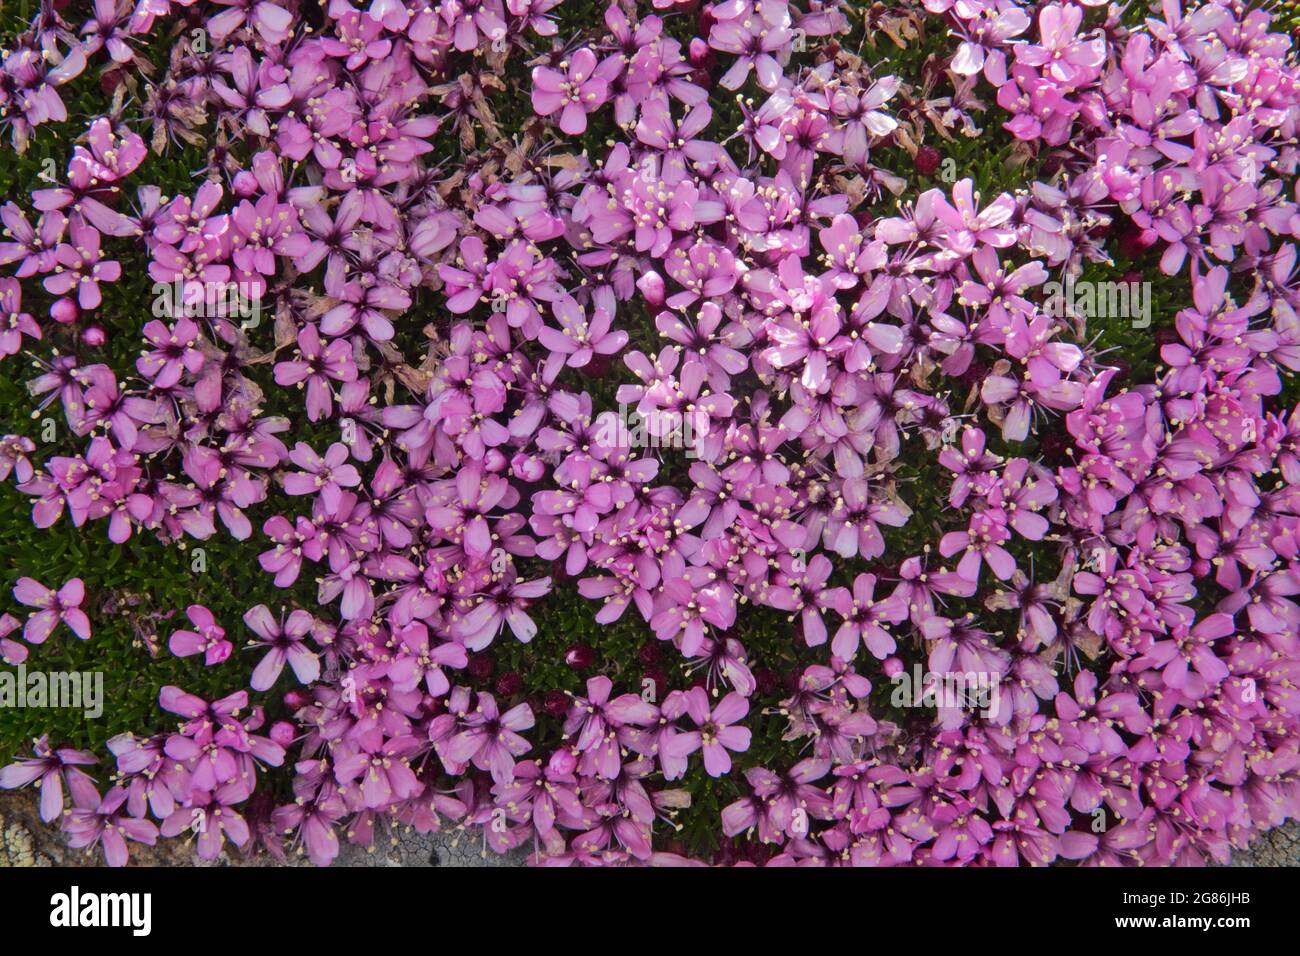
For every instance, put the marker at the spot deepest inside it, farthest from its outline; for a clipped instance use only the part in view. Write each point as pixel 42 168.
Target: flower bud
pixel 928 160
pixel 65 311
pixel 651 286
pixel 297 698
pixel 556 704
pixel 563 760
pixel 528 468
pixel 283 733
pixel 579 657
pixel 509 684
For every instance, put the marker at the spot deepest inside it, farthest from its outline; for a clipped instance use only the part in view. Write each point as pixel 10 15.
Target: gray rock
pixel 1280 847
pixel 450 848
pixel 25 841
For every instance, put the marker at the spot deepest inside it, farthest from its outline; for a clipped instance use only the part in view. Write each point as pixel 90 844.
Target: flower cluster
pixel 880 428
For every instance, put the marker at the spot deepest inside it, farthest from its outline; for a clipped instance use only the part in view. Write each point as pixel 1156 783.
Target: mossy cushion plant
pixel 653 433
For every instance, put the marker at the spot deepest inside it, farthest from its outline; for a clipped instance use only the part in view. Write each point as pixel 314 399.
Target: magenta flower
pixel 1066 57
pixel 106 405
pixel 14 322
pixel 80 267
pixel 823 351
pixel 862 117
pixel 508 605
pixel 271 22
pixel 865 619
pixel 208 638
pixel 577 88
pixel 55 606
pixel 287 642
pixel 382 774
pixel 578 341
pixel 718 734
pixel 248 96
pixel 11 652
pixel 325 475
pixel 466 19
pixel 366 304
pixel 318 365
pixel 985 40
pixel 175 351
pixel 967 226
pixel 262 231
pixel 52 768
pixel 982 542
pixel 491 740
pixel 105 822
pixel 14 460
pixel 208 820
pixel 755 42
pixel 33 248
pixel 360 38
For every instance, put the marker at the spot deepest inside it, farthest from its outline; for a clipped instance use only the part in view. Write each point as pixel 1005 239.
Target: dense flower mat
pixel 753 328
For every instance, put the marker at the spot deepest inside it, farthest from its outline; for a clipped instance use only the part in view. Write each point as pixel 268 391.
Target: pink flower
pixel 326 476
pixel 14 322
pixel 52 767
pixel 175 352
pixel 81 268
pixel 717 733
pixel 578 340
pixel 14 450
pixel 864 619
pixel 317 365
pixel 1067 58
pixel 982 542
pixel 107 823
pixel 287 643
pixel 491 739
pixel 63 605
pixel 508 605
pixel 11 652
pixel 579 87
pixel 210 638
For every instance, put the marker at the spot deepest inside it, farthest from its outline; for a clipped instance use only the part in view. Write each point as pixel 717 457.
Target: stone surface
pixel 25 841
pixel 1280 847
pixel 18 847
pixel 455 848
